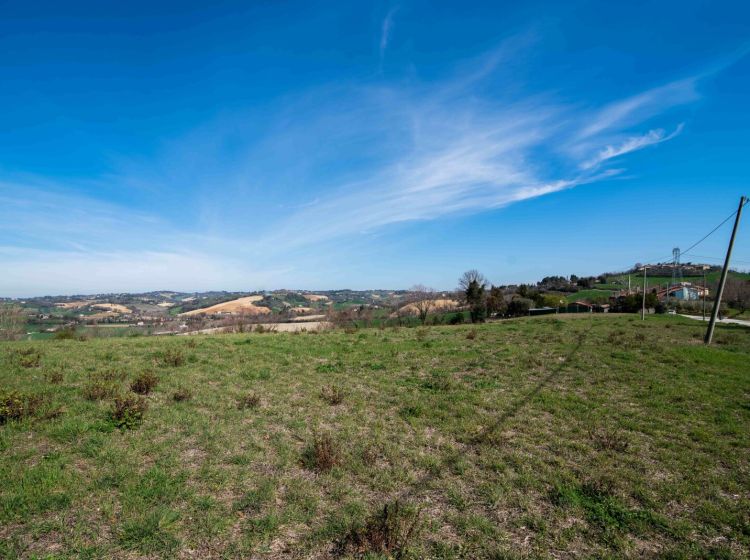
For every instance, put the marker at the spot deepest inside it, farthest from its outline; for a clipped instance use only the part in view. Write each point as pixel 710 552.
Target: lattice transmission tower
pixel 676 266
pixel 676 272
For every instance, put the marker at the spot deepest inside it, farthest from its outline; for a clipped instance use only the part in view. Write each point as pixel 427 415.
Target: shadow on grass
pixel 520 403
pixel 514 408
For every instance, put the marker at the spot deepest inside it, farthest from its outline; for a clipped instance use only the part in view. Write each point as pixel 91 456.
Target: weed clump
pixel 472 334
pixel 172 357
pixel 54 377
pixel 391 531
pixel 29 358
pixel 127 411
pixel 144 383
pixel 332 394
pixel 16 406
pixel 610 439
pixel 110 375
pixel 322 453
pixel 97 390
pixel 182 394
pixel 249 400
pixel 411 411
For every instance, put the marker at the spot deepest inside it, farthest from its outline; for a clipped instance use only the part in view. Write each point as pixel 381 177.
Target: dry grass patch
pixel 54 377
pixel 609 439
pixel 332 394
pixel 248 400
pixel 391 531
pixel 322 453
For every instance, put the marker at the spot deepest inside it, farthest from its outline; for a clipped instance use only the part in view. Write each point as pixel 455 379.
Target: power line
pixel 702 239
pixel 718 259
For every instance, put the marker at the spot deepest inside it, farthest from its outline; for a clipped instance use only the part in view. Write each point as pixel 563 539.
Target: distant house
pixel 585 307
pixel 542 310
pixel 683 291
pixel 580 307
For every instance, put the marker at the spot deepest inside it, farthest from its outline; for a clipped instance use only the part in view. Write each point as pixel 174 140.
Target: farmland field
pixel 544 437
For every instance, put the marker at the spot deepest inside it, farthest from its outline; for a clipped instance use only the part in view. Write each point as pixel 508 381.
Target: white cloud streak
pixel 640 107
pixel 632 144
pixel 386 29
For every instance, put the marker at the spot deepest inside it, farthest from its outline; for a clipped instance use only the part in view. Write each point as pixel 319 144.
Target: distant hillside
pixel 244 305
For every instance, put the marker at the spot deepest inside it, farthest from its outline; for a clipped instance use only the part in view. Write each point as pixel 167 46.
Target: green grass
pixel 590 436
pixel 637 279
pixel 593 294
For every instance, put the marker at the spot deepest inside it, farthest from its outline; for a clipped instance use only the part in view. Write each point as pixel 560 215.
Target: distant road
pixel 725 320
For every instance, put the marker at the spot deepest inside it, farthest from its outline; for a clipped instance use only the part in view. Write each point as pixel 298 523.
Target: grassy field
pixel 592 294
pixel 637 279
pixel 590 436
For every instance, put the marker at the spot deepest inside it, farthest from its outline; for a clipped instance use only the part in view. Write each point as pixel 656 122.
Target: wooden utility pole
pixel 725 270
pixel 704 292
pixel 643 309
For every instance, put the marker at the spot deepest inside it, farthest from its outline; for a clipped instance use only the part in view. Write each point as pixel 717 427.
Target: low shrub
pixel 97 390
pixel 249 400
pixel 54 377
pixel 456 319
pixel 65 333
pixel 611 439
pixel 182 394
pixel 172 357
pixel 332 394
pixel 260 329
pixel 109 375
pixel 322 453
pixel 16 406
pixel 391 531
pixel 144 383
pixel 28 357
pixel 128 411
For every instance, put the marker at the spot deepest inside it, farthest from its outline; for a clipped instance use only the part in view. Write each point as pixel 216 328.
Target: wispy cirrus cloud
pixel 632 144
pixel 458 156
pixel 639 107
pixel 386 28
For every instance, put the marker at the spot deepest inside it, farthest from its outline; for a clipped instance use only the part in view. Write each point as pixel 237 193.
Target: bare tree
pixel 12 321
pixel 343 318
pixel 422 299
pixel 737 293
pixel 472 277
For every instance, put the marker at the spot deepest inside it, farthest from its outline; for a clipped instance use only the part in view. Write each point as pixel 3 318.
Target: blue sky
pixel 242 146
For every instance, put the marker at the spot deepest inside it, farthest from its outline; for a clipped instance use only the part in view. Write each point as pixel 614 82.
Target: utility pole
pixel 704 291
pixel 725 270
pixel 643 309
